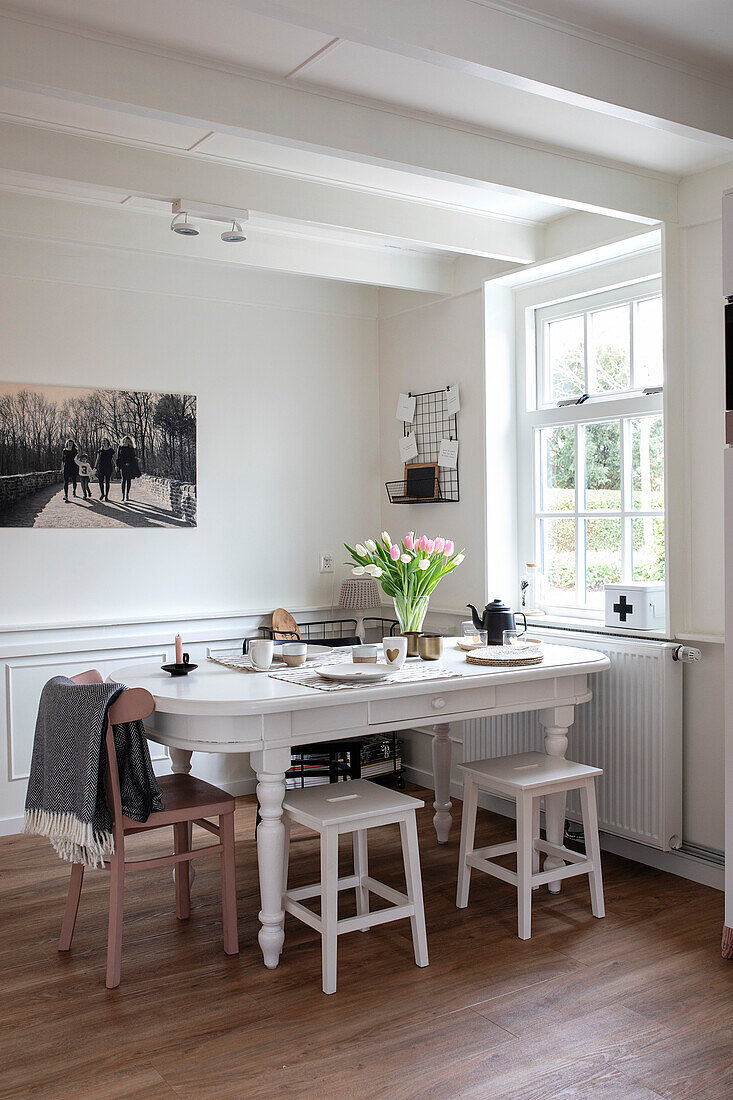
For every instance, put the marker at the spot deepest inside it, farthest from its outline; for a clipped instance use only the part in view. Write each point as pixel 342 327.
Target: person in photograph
pixel 104 466
pixel 85 474
pixel 68 467
pixel 127 464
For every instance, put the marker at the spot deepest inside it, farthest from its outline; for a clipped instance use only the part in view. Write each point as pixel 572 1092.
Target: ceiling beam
pixel 522 50
pixel 144 83
pixel 63 220
pixel 151 173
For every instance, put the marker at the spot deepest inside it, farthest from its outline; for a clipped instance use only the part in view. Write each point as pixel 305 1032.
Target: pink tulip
pixel 449 547
pixel 430 546
pixel 394 552
pixel 410 540
pixel 439 545
pixel 424 542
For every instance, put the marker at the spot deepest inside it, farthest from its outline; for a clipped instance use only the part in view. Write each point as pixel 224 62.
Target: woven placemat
pixel 504 656
pixel 307 677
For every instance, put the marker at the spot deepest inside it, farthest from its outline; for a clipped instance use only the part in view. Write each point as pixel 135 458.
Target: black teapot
pixel 497 618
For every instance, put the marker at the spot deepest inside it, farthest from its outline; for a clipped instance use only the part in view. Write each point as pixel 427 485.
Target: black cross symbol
pixel 622 609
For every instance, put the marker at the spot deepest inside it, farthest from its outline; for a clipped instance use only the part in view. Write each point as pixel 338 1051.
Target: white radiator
pixel 632 728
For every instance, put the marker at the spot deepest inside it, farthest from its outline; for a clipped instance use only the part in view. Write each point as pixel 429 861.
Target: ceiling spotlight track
pixel 233 235
pixel 184 209
pixel 182 225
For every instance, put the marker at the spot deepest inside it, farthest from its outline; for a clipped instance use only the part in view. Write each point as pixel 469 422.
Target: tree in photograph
pixel 34 429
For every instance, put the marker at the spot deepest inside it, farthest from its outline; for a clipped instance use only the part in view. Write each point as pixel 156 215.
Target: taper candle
pixel 179 650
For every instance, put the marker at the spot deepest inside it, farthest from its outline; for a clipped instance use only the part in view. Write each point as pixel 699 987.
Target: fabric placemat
pixel 241 664
pixel 307 677
pixel 244 663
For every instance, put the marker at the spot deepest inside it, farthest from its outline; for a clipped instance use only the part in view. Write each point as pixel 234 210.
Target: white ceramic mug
pixel 395 651
pixel 294 654
pixel 261 652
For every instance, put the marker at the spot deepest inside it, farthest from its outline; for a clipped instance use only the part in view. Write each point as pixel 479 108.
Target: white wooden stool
pixel 354 807
pixel 526 777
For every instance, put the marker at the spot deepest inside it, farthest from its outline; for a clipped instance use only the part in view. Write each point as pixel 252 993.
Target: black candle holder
pixel 182 669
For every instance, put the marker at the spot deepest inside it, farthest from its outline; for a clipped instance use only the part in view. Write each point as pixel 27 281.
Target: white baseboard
pixel 240 786
pixel 682 864
pixel 10 826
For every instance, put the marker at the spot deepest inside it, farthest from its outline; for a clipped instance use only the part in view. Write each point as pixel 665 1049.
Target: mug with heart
pixel 395 651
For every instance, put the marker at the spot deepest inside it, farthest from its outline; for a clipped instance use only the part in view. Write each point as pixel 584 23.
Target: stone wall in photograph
pixel 15 487
pixel 178 496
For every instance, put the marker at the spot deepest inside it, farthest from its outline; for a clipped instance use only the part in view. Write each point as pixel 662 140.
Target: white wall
pixel 700 250
pixel 287 428
pixel 426 348
pixel 440 342
pixel 286 374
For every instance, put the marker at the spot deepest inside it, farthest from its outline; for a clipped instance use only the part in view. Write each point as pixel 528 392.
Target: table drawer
pixel 437 705
pixel 323 720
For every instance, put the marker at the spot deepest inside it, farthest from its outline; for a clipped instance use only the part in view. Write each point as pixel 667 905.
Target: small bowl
pixel 364 654
pixel 179 670
pixel 430 647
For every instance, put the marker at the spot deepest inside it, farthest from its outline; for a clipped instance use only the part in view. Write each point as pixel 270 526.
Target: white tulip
pixel 376 571
pixel 424 563
pixel 358 571
pixel 371 545
pixel 371 570
pixel 386 539
pixel 361 550
pixel 458 559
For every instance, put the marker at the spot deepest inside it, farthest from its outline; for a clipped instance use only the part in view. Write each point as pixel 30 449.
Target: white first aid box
pixel 636 606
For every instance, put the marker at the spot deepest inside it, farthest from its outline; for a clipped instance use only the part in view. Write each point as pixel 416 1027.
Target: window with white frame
pixel 598 435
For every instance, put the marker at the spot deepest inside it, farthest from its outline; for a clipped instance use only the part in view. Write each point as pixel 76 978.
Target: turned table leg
pixel 555 723
pixel 181 765
pixel 442 805
pixel 270 766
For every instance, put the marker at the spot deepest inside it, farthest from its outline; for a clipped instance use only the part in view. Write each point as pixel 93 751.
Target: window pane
pixel 647 463
pixel 647 549
pixel 603 467
pixel 564 358
pixel 648 369
pixel 602 558
pixel 557 547
pixel 557 469
pixel 609 363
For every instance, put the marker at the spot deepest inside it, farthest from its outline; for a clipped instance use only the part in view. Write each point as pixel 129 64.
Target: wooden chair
pixel 186 800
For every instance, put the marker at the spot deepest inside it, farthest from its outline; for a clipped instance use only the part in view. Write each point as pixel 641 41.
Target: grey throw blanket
pixel 66 799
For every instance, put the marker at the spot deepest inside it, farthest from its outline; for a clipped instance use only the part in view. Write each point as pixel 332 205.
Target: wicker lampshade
pixel 360 592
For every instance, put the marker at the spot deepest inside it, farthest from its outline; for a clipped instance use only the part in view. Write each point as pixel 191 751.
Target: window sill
pixel 590 625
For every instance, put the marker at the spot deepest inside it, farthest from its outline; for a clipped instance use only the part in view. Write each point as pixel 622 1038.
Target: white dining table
pixel 222 710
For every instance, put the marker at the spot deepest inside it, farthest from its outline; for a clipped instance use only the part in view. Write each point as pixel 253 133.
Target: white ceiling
pixel 698 32
pixel 227 33
pixel 419 86
pixel 213 29
pixel 224 32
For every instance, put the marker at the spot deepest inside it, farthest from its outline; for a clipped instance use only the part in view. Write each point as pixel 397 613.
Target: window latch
pixel 573 401
pixel 651 390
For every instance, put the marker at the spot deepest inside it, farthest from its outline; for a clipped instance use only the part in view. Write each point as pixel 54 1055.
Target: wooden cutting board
pixel 283 624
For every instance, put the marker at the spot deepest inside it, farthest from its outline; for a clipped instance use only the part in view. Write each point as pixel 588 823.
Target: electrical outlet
pixel 326 563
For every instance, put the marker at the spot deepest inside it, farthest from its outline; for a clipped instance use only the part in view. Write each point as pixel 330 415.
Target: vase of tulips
pixel 408 571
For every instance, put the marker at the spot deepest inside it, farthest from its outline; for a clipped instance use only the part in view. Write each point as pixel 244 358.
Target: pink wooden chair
pixel 186 800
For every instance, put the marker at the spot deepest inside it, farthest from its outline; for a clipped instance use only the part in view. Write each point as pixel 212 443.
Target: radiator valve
pixel 686 653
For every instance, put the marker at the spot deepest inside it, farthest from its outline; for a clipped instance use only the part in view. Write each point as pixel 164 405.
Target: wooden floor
pixel 635 1006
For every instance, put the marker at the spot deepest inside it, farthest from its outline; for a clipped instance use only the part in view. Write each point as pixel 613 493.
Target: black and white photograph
pixel 81 457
